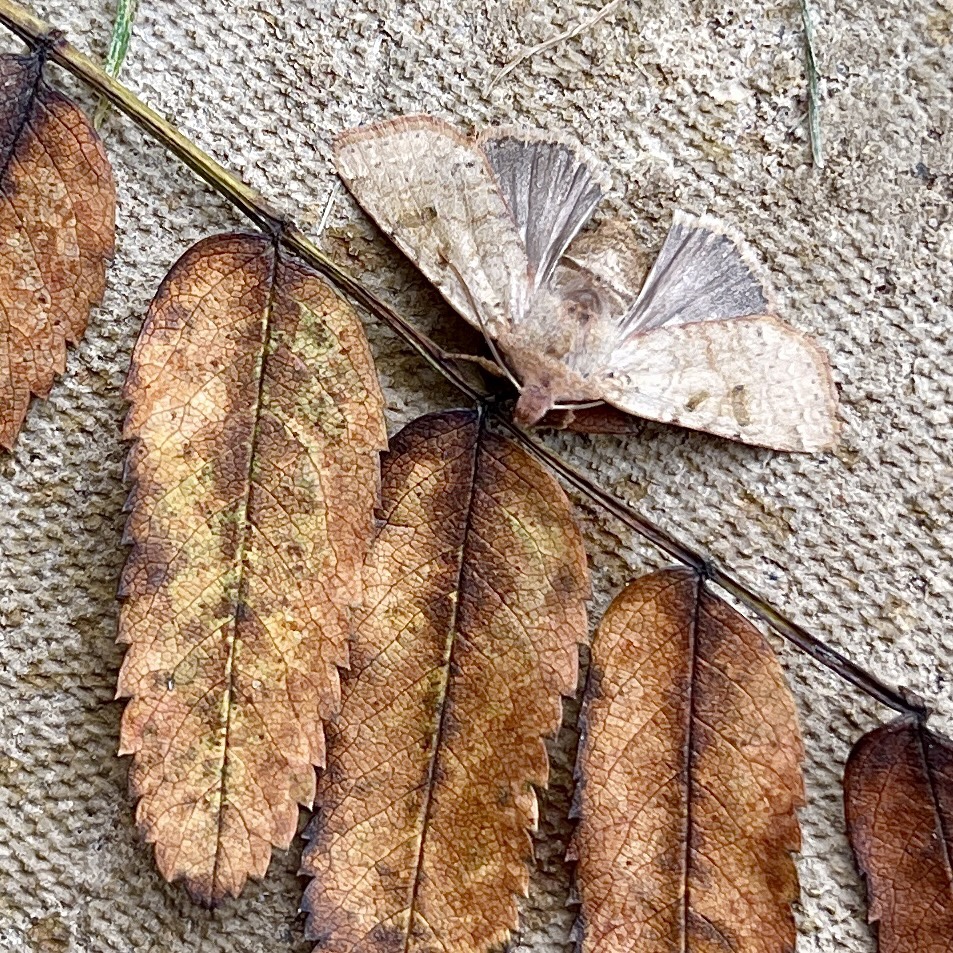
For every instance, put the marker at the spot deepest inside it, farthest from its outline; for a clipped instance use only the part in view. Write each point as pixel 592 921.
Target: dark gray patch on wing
pixel 549 189
pixel 702 273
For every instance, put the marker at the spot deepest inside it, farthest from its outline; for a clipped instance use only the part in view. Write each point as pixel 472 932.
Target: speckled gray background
pixel 691 104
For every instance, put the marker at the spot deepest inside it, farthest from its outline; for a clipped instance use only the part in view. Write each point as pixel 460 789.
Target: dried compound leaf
pixel 689 777
pixel 898 792
pixel 57 230
pixel 475 591
pixel 257 418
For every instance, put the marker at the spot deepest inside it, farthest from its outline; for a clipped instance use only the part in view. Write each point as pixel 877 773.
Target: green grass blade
pixel 118 45
pixel 813 97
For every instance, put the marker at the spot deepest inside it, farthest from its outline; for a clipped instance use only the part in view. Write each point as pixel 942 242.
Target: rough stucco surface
pixel 697 105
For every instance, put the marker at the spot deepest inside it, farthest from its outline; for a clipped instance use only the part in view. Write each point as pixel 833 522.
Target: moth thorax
pixel 570 315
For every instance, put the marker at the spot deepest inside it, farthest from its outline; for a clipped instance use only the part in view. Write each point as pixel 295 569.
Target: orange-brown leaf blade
pixel 57 232
pixel 476 585
pixel 689 779
pixel 257 416
pixel 898 795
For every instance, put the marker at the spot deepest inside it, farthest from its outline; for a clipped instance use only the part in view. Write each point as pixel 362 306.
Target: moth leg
pixel 485 363
pixel 489 338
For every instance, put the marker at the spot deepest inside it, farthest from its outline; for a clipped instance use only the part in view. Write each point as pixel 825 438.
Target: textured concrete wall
pixel 699 105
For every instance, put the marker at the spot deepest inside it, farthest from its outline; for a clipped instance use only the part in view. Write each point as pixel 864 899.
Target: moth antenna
pixel 498 357
pixel 491 367
pixel 582 405
pixel 489 340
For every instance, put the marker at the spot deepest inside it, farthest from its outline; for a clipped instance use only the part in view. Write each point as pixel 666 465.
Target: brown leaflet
pixel 689 779
pixel 57 232
pixel 898 796
pixel 476 585
pixel 257 418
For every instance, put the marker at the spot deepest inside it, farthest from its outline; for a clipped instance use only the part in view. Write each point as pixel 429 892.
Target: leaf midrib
pixel 690 708
pixel 941 828
pixel 37 59
pixel 241 562
pixel 449 646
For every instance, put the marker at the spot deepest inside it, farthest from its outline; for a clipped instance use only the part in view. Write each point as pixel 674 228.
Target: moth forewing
pixel 432 191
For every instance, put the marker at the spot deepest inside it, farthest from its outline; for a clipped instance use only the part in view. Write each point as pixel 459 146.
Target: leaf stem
pixel 252 204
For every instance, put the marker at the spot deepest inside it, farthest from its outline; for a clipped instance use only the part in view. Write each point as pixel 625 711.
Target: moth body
pixel 564 340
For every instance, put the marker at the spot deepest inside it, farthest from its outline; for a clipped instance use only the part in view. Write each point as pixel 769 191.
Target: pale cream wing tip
pixel 380 129
pixel 830 438
pixel 396 124
pixel 823 435
pixel 827 433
